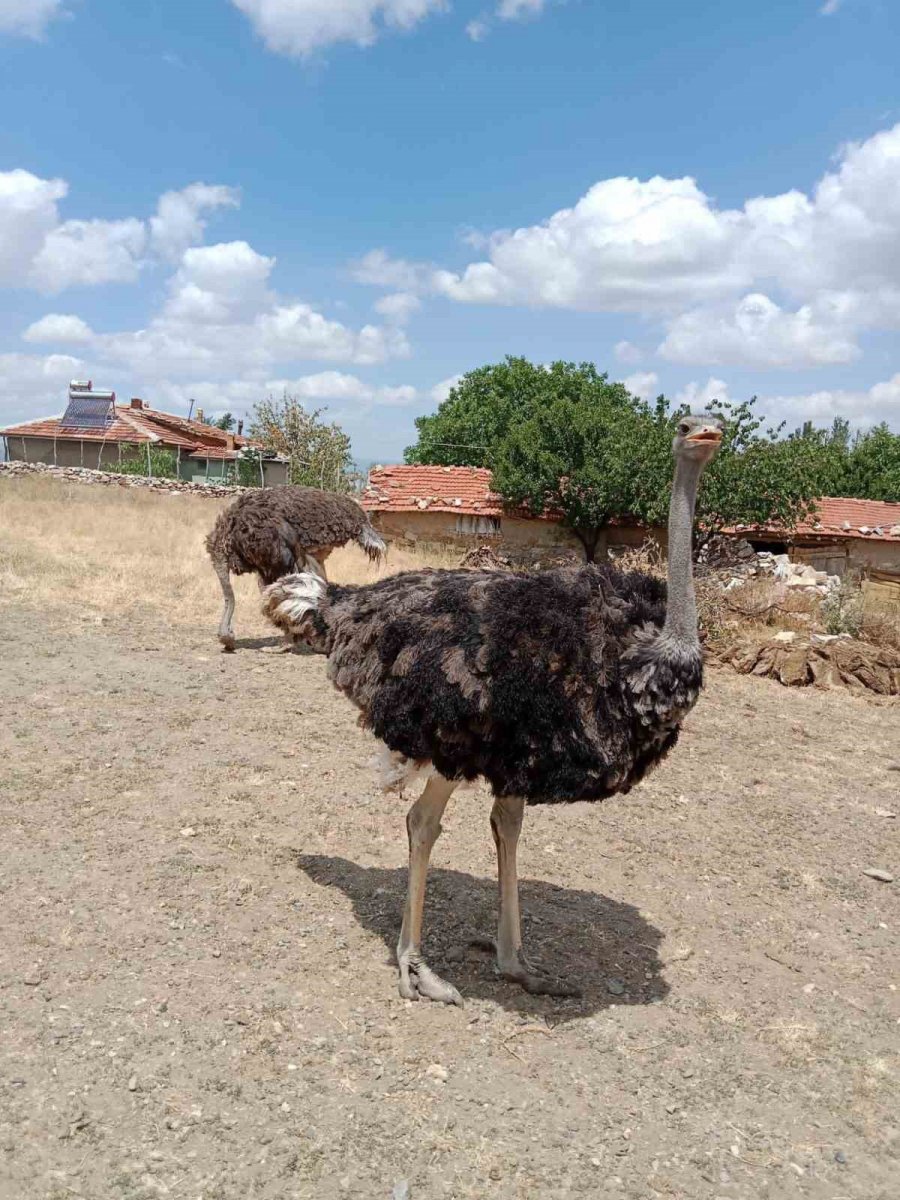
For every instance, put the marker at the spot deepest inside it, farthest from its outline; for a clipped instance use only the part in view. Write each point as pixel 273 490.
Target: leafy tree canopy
pixel 565 438
pixel 318 453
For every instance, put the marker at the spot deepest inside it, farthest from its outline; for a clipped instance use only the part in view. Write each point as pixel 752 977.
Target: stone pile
pixel 823 660
pixel 733 561
pixel 108 478
pixel 484 558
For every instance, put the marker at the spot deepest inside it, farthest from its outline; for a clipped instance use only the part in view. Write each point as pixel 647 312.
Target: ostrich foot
pixel 227 640
pixel 517 969
pixel 418 982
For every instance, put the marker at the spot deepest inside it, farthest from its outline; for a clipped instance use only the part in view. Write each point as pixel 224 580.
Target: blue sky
pixel 361 199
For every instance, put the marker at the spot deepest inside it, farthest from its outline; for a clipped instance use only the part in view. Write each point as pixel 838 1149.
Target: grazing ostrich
pixel 558 686
pixel 275 531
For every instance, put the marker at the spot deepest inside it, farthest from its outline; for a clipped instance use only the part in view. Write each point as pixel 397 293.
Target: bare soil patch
pixel 201 888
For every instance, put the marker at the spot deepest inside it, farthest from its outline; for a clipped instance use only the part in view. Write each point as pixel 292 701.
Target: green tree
pixel 225 422
pixel 318 453
pixel 487 403
pixel 758 477
pixel 873 465
pixel 589 453
pixel 146 460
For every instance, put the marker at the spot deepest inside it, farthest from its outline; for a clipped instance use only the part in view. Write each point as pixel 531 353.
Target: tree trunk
pixel 589 539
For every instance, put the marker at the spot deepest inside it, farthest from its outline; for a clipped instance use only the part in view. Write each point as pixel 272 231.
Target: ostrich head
pixel 697 439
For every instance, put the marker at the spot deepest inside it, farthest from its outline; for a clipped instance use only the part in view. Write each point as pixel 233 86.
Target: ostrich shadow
pixel 604 947
pixel 272 644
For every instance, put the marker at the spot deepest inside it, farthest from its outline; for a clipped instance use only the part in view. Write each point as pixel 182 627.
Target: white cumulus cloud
pixel 89 253
pixel 300 27
pixel 643 384
pixel 757 332
pixel 33 385
pixel 28 214
pixel 58 327
pixel 28 18
pixel 785 280
pixel 40 250
pixel 398 307
pixel 179 222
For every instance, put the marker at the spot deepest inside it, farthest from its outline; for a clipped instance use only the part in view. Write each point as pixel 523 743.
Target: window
pixel 467 526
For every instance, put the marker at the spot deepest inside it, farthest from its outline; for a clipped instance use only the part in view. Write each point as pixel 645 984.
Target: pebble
pixel 840 1157
pixel 615 987
pixel 401 1190
pixel 32 978
pixel 885 812
pixel 436 1071
pixel 878 873
pixel 189 831
pixel 132 1084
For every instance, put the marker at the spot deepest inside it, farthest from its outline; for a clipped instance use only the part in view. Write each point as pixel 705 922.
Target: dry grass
pixel 122 550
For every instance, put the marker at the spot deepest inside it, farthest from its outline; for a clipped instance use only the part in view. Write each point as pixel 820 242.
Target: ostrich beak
pixel 706 435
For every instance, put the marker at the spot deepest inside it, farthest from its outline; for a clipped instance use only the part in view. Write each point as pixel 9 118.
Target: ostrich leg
pixel 226 629
pixel 423 824
pixel 506 825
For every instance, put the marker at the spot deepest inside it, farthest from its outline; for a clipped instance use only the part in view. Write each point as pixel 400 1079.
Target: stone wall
pixel 108 478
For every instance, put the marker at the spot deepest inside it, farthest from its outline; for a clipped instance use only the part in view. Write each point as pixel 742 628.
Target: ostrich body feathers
pixel 271 530
pixel 557 686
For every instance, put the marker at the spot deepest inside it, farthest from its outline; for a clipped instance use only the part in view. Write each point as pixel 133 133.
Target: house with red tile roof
pixel 95 431
pixel 456 505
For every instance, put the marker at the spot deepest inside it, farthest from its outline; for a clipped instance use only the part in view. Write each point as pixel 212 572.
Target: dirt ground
pixel 200 892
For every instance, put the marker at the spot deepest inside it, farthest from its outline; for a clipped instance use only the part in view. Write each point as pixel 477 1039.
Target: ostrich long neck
pixel 681 611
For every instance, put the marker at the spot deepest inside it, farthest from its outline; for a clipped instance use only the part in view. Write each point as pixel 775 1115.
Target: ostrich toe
pixel 418 982
pixel 519 970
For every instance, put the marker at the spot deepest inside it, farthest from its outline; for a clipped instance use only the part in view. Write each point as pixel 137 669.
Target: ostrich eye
pixel 684 428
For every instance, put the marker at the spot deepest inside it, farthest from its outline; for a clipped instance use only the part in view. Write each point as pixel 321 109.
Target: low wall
pixel 108 478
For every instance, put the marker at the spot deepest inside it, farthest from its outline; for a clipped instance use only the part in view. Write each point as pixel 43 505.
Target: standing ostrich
pixel 274 531
pixel 559 686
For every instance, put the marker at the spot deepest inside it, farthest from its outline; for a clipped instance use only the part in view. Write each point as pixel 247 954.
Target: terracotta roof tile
pixel 140 425
pixel 431 489
pixel 837 516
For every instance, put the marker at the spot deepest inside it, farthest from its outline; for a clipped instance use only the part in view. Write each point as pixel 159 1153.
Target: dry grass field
pixel 201 886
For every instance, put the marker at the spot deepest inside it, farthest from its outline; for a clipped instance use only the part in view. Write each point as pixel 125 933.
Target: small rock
pixel 33 978
pixel 401 1190
pixel 436 1071
pixel 189 831
pixel 877 873
pixel 885 812
pixel 132 1084
pixel 840 1157
pixel 615 987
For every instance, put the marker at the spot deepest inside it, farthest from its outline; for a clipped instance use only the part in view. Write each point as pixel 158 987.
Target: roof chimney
pixel 240 428
pixel 136 402
pixel 199 416
pixel 229 441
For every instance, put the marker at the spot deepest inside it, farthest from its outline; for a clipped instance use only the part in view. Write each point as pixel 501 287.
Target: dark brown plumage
pixel 523 679
pixel 559 686
pixel 274 531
